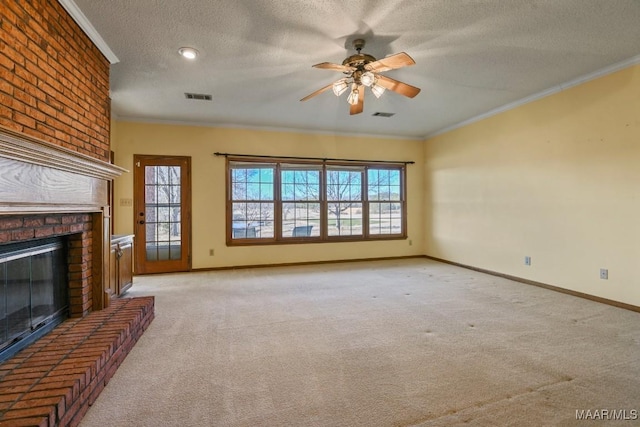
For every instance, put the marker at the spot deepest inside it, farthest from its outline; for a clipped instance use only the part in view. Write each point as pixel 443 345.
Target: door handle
pixel 141 222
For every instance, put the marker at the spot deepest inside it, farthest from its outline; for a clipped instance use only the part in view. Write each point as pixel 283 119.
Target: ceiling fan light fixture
pixel 340 86
pixel 367 78
pixel 377 90
pixel 354 96
pixel 363 70
pixel 188 53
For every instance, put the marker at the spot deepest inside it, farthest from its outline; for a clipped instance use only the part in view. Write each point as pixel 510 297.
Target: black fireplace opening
pixel 33 291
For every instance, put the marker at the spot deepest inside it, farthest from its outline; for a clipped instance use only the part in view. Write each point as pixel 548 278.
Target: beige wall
pixel 208 176
pixel 557 179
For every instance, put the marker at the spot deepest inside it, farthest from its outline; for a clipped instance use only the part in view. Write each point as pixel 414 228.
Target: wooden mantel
pixel 39 177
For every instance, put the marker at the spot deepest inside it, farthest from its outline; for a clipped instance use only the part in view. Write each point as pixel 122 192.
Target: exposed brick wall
pixel 79 228
pixel 54 83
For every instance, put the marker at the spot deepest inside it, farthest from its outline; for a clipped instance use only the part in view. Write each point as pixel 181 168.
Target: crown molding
pixel 539 95
pixel 72 8
pixel 134 119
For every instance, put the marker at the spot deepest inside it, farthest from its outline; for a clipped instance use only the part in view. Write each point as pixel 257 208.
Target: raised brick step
pixel 55 380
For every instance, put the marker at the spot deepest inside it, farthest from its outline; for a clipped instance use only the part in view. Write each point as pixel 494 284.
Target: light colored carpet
pixel 386 343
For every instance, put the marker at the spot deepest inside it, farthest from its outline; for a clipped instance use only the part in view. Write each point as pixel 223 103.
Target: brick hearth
pixel 55 380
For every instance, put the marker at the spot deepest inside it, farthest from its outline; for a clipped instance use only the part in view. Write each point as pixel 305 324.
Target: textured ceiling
pixel 472 56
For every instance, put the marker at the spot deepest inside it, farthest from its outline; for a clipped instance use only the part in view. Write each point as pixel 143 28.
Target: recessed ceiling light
pixel 188 52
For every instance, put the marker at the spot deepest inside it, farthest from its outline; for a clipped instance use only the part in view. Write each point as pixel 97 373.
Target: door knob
pixel 141 222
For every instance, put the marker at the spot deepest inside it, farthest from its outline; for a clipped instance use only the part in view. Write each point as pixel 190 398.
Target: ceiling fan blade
pixel 334 67
pixel 359 107
pixel 318 92
pixel 398 87
pixel 391 62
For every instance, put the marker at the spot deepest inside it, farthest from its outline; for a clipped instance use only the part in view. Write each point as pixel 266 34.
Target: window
pixel 385 201
pixel 253 198
pixel 286 202
pixel 300 196
pixel 344 201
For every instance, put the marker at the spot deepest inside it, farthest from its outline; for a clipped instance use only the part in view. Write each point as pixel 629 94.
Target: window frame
pixel 284 164
pixel 298 167
pixel 258 201
pixel 385 200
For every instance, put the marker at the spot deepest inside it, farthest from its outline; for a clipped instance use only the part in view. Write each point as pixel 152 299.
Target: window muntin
pixel 314 201
pixel 252 183
pixel 253 220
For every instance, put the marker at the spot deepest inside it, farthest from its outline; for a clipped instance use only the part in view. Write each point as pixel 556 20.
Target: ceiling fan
pixel 364 70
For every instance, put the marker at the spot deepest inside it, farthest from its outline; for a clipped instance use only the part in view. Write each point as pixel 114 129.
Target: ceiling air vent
pixel 198 96
pixel 379 114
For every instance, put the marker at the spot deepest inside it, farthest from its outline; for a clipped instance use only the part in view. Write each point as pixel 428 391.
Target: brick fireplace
pixel 54 174
pixel 55 123
pixel 46 191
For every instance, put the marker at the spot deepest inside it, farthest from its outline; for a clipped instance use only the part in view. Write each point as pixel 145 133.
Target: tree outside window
pixel 163 212
pixel 300 193
pixel 344 202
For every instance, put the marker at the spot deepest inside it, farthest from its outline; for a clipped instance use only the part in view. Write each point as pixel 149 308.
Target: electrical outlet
pixel 604 273
pixel 211 252
pixel 527 260
pixel 410 242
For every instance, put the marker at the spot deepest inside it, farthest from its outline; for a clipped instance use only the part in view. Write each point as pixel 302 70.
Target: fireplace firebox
pixel 33 291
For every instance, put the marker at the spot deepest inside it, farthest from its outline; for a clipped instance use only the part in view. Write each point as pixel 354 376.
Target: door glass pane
pixel 175 194
pixel 162 213
pixel 150 193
